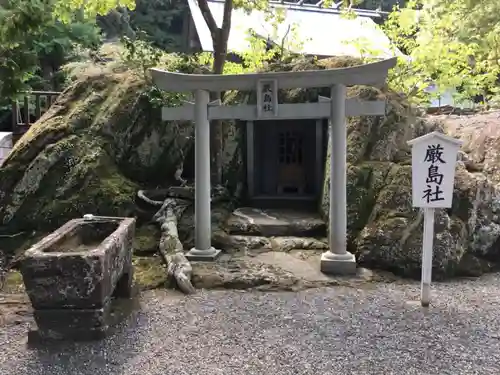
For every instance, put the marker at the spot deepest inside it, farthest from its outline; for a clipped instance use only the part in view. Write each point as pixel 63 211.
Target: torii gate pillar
pixel 203 249
pixel 337 260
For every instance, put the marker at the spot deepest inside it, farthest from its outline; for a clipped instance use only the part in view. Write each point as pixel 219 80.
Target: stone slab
pixel 301 269
pixel 71 324
pixel 276 222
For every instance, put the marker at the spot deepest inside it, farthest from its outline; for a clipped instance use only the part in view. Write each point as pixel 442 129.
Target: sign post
pixel 434 158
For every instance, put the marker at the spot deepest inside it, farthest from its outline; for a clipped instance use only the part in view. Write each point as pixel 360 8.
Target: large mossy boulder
pixel 91 152
pixel 88 153
pixel 385 231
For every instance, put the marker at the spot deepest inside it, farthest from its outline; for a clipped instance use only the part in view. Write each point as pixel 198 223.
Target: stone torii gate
pixel 337 260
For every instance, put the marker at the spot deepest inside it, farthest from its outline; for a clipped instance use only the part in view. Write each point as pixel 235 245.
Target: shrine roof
pixel 321 31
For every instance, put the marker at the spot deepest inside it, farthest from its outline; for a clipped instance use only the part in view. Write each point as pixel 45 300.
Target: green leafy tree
pixel 64 9
pixel 40 34
pixel 58 44
pixel 452 43
pixel 384 5
pixel 21 23
pixel 161 21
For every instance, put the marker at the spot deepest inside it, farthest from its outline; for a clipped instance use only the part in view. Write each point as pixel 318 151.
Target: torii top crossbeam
pixel 373 74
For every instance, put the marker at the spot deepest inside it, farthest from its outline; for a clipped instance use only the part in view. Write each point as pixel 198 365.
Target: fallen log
pixel 171 249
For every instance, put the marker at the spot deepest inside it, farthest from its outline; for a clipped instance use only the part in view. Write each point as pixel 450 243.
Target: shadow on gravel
pixel 88 357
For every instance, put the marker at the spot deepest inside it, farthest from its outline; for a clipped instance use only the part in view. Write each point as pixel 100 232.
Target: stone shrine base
pixel 284 230
pixel 64 326
pixel 71 324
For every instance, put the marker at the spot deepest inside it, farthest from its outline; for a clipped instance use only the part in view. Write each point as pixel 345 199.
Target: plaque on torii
pixel 267 98
pixel 336 108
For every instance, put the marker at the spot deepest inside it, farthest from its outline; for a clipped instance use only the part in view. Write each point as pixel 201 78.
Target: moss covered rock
pixel 384 230
pixel 90 153
pixel 66 163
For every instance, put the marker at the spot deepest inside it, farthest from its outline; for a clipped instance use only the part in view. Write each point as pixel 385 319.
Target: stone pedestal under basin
pixel 72 274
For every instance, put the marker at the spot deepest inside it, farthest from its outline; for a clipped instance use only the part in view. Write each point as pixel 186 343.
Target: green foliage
pixel 64 9
pixel 58 44
pixel 38 36
pixel 57 41
pixel 160 20
pixel 285 46
pixel 454 44
pixel 140 56
pixel 34 44
pixel 385 5
pixel 21 24
pixel 407 77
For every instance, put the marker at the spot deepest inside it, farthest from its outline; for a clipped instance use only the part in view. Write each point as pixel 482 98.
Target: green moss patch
pixel 12 283
pixel 146 239
pixel 149 272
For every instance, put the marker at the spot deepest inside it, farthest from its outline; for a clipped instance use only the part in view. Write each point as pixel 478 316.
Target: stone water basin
pixel 72 274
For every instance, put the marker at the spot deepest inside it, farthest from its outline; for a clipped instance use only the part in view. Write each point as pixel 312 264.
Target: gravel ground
pixel 377 330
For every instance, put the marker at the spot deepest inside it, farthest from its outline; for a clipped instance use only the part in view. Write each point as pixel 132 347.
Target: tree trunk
pixel 220 36
pixel 217 131
pixel 220 51
pixel 216 144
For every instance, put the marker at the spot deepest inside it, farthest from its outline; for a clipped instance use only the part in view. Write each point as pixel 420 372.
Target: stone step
pixel 275 223
pixel 234 243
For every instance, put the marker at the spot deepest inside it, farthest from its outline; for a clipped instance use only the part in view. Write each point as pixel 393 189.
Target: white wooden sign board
pixel 434 159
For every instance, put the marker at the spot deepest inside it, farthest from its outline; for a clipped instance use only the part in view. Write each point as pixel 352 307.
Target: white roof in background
pixel 322 32
pixel 446 99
